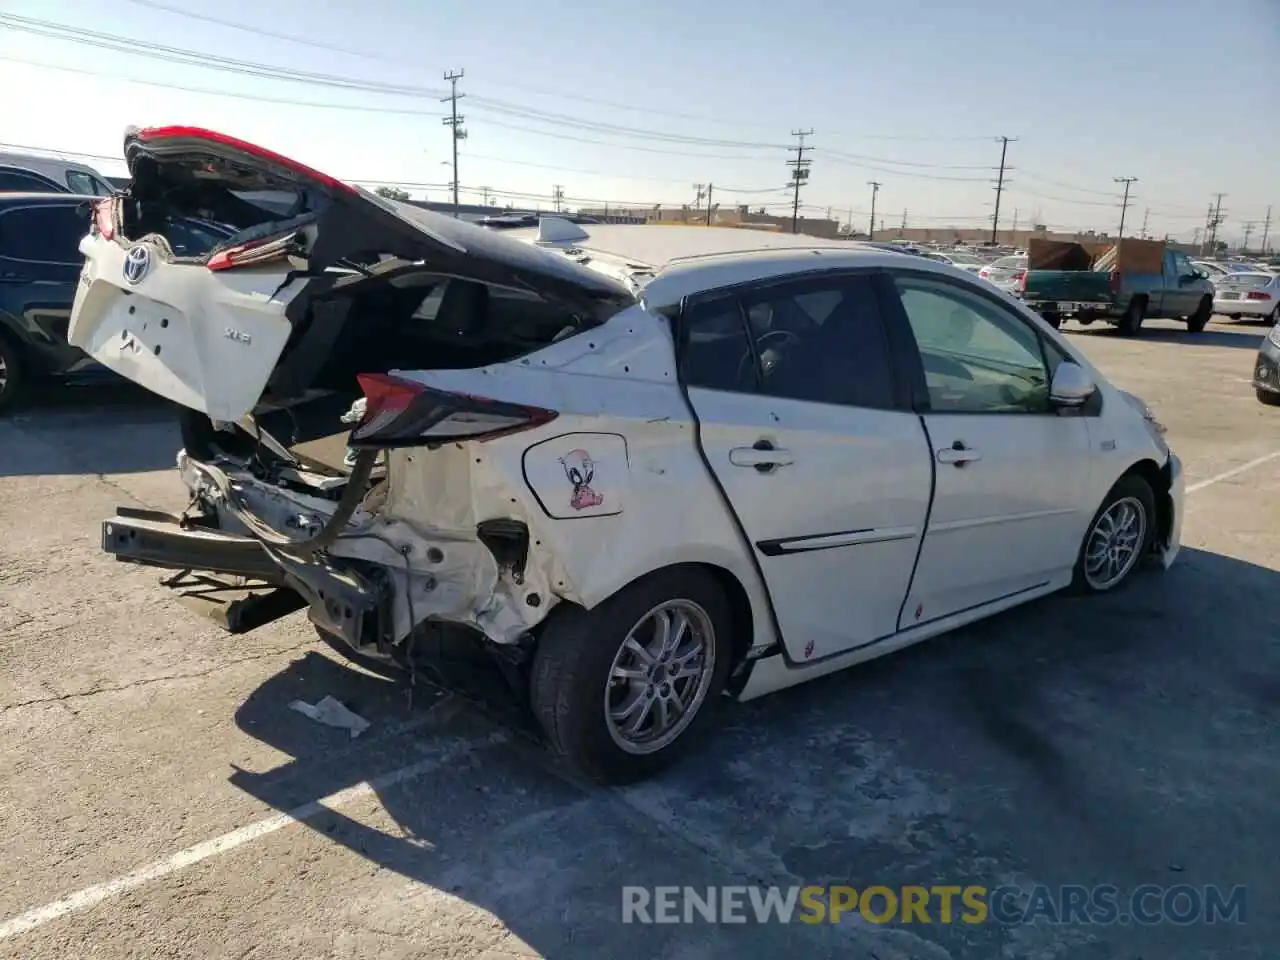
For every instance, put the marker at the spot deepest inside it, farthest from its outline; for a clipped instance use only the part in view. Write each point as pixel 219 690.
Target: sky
pixel 633 103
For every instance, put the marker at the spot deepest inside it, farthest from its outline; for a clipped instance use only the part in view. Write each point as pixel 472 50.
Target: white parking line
pixel 92 896
pixel 1234 471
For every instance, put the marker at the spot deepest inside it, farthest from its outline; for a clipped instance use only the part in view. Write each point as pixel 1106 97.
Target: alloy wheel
pixel 1112 547
pixel 660 676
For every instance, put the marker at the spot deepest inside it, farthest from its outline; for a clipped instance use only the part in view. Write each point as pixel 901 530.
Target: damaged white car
pixel 649 466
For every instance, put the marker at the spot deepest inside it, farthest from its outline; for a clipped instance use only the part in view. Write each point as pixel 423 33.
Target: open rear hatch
pixel 257 315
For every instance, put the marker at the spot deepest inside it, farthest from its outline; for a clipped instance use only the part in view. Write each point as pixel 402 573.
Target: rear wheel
pixel 1131 322
pixel 11 372
pixel 621 689
pixel 1197 321
pixel 1119 536
pixel 1054 320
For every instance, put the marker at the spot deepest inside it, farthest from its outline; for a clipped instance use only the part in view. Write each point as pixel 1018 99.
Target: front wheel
pixel 11 373
pixel 1267 397
pixel 1119 536
pixel 1131 322
pixel 620 689
pixel 1198 320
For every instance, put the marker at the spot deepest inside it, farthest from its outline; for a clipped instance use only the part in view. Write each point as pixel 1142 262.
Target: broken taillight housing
pixel 402 413
pixel 254 254
pixel 104 218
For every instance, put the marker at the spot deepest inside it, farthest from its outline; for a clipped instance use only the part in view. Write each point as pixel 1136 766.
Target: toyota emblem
pixel 136 264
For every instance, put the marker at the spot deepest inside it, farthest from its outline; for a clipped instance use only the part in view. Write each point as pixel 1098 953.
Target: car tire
pixel 1198 320
pixel 1131 322
pixel 575 691
pixel 1053 320
pixel 1125 523
pixel 12 373
pixel 1266 397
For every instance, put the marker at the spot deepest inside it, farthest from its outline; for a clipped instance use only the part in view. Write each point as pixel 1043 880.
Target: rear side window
pixel 23 181
pixel 815 340
pixel 46 234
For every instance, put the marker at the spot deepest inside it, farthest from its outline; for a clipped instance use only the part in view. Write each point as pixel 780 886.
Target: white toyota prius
pixel 648 468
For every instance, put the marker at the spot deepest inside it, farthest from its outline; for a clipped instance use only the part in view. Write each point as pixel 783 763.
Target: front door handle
pixel 764 456
pixel 958 454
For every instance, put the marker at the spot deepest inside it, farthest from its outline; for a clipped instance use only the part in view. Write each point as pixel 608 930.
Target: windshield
pixel 963 259
pixel 1250 280
pixel 1010 263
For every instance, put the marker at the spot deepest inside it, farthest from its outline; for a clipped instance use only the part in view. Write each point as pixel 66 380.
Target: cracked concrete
pixel 1129 739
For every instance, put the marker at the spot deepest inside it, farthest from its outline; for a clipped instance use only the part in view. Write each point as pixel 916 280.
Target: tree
pixel 392 193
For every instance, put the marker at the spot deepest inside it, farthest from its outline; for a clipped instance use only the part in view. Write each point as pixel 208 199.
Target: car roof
pixel 45 165
pixel 684 260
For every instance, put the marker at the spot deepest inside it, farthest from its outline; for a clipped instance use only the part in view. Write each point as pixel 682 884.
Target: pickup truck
pixel 1124 286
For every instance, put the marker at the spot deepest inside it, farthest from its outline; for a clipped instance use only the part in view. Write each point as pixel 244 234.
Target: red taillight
pixel 401 413
pixel 104 218
pixel 1019 277
pixel 1114 281
pixel 152 134
pixel 1257 295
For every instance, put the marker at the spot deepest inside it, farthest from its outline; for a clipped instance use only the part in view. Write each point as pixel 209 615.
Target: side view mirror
pixel 1072 385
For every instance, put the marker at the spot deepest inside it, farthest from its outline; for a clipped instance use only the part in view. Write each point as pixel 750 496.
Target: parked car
pixel 1266 370
pixel 1255 295
pixel 40 264
pixel 1123 298
pixel 964 261
pixel 702 462
pixel 24 173
pixel 1212 269
pixel 1005 272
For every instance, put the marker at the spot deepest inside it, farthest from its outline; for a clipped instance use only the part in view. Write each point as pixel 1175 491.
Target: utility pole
pixel 1266 229
pixel 1004 149
pixel 1217 221
pixel 1015 224
pixel 875 188
pixel 710 186
pixel 1124 206
pixel 1248 229
pixel 902 231
pixel 1208 225
pixel 557 196
pixel 454 122
pixel 699 190
pixel 1146 215
pixel 487 195
pixel 799 174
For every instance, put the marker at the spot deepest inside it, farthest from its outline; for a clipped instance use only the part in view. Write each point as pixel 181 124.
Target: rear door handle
pixel 764 456
pixel 958 454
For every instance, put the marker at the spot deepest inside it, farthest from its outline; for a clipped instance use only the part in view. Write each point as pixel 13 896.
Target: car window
pixel 23 181
pixel 717 352
pixel 978 357
pixel 821 341
pixel 49 234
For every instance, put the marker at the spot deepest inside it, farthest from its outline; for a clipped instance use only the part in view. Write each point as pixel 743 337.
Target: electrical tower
pixel 557 197
pixel 799 174
pixel 871 227
pixel 1124 206
pixel 1146 215
pixel 454 121
pixel 1248 231
pixel 1000 184
pixel 488 196
pixel 699 190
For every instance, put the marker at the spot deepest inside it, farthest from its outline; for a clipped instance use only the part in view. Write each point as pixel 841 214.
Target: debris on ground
pixel 332 713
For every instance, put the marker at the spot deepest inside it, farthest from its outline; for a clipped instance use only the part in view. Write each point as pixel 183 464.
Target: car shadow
pixel 94 426
pixel 1245 339
pixel 1108 739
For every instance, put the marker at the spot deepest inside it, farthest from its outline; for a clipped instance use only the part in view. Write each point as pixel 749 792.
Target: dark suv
pixel 40 266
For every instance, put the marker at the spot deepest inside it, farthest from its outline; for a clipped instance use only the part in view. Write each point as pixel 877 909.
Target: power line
pixel 799 174
pixel 1127 181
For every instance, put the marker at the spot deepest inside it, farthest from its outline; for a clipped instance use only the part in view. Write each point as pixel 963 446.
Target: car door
pixel 39 267
pixel 1186 281
pixel 814 445
pixel 1011 472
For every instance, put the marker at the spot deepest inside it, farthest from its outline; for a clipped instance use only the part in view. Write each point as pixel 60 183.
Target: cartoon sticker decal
pixel 581 470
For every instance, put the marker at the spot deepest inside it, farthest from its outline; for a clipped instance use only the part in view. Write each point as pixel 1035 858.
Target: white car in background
pixel 963 261
pixel 645 466
pixel 1255 295
pixel 1006 272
